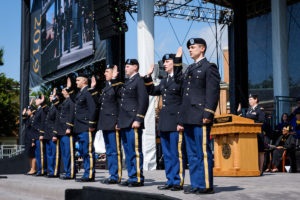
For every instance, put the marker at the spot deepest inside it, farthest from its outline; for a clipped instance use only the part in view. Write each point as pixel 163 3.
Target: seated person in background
pixel 278 129
pixel 285 142
pixel 296 125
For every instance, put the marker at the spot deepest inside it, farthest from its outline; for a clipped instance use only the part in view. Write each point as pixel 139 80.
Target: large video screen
pixel 66 33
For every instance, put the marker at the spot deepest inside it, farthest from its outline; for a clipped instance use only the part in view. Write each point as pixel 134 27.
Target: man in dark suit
pixel 107 121
pixel 133 106
pixel 201 91
pixel 172 141
pixel 84 127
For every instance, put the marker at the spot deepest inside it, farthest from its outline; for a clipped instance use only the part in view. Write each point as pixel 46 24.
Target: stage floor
pixel 269 186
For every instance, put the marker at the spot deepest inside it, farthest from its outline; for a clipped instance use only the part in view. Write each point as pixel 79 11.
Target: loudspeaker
pixel 110 18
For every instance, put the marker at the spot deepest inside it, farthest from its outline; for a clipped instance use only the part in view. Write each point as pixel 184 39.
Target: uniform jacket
pixel 108 108
pixel 257 114
pixel 29 136
pixel 170 91
pixel 64 117
pixel 85 111
pixel 38 121
pixel 134 101
pixel 200 93
pixel 50 122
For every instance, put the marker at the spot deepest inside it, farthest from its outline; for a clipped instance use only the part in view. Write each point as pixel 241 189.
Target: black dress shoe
pixel 52 176
pixel 191 191
pixel 39 174
pixel 109 181
pixel 135 184
pixel 65 178
pixel 124 183
pixel 164 187
pixel 206 191
pixel 261 174
pixel 176 188
pixel 83 179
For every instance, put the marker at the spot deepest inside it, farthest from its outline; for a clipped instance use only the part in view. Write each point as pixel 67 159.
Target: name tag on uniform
pixel 199 71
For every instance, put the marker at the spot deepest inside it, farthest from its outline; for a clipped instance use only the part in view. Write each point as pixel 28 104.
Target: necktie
pixel 169 77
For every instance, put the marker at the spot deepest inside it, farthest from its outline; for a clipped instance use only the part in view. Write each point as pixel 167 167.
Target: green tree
pixel 9 106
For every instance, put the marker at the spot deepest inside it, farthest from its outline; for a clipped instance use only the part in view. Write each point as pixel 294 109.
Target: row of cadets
pixel 172 141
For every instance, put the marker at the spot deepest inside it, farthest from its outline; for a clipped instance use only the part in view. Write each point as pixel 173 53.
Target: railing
pixel 283 104
pixel 8 151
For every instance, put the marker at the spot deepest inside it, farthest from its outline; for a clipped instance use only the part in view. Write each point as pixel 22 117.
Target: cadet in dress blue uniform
pixel 107 121
pixel 63 129
pixel 84 127
pixel 38 125
pixel 172 141
pixel 133 106
pixel 52 142
pixel 256 112
pixel 201 91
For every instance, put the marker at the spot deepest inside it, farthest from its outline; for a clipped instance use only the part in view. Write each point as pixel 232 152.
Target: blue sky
pixel 10 37
pixel 165 39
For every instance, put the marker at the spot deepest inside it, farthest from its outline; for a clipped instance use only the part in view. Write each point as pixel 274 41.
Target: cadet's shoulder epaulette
pixel 94 93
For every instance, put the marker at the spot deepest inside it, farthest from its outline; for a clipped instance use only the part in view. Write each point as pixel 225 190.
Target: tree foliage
pixel 9 106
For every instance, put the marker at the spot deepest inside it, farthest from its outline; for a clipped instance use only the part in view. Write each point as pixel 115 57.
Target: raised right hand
pixel 24 111
pixel 69 82
pixel 150 70
pixel 31 101
pixel 93 82
pixel 54 92
pixel 239 107
pixel 115 72
pixel 179 52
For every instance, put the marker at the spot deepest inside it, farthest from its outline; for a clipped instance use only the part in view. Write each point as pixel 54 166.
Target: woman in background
pixel 29 145
pixel 256 112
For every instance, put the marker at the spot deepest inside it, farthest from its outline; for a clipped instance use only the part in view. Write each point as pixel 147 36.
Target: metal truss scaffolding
pixel 197 10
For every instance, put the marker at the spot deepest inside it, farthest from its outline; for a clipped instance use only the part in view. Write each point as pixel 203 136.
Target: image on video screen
pixel 67 31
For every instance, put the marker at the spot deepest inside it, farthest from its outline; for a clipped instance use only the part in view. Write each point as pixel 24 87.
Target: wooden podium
pixel 235 146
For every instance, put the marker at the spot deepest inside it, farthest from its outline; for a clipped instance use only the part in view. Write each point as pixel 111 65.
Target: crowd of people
pixel 189 98
pixel 283 142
